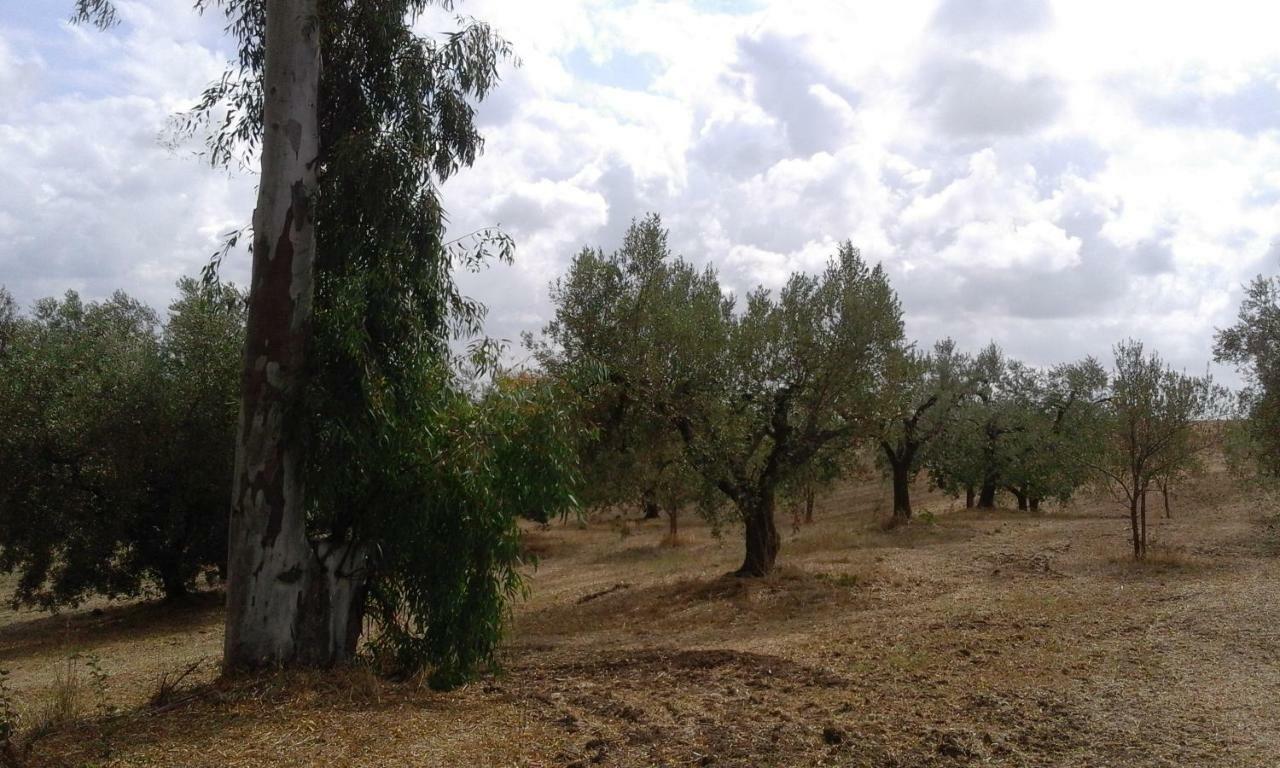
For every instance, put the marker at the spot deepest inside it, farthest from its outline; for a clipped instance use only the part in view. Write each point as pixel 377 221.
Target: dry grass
pixel 980 638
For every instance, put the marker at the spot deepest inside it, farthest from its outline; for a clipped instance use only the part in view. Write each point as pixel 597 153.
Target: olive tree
pixel 753 393
pixel 1053 413
pixel 970 457
pixel 1025 430
pixel 1253 346
pixel 919 402
pixel 116 443
pixel 629 455
pixel 1155 424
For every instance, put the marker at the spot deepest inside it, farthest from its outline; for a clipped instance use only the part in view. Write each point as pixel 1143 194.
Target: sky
pixel 1053 176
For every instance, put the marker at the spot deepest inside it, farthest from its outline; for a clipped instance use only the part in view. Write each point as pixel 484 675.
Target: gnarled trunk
pixel 761 537
pixel 1021 495
pixel 649 506
pixel 289 601
pixel 969 495
pixel 1034 503
pixel 987 498
pixel 901 492
pixel 809 494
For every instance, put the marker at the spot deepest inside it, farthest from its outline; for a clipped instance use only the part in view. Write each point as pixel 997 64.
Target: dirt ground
pixel 968 638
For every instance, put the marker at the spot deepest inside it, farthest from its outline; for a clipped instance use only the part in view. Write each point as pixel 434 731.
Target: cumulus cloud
pixel 1025 173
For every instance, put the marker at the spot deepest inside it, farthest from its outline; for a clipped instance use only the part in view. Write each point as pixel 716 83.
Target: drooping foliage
pixel 403 457
pixel 116 440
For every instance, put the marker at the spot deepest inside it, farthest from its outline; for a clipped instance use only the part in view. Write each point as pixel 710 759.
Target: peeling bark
pixel 288 601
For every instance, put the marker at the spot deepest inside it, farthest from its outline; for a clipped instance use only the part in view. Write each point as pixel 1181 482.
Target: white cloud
pixel 1054 175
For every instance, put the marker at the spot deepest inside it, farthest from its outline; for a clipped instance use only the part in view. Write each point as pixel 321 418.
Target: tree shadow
pixel 89 628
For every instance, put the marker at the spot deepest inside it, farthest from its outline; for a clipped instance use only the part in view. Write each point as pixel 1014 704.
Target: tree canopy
pixel 754 395
pixel 116 439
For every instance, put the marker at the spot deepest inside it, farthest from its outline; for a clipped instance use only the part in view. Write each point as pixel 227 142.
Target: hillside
pixel 976 638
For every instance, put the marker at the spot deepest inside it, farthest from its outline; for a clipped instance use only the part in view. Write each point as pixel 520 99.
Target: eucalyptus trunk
pixel 288 602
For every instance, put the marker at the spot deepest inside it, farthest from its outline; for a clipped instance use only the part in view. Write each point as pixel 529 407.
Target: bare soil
pixel 967 638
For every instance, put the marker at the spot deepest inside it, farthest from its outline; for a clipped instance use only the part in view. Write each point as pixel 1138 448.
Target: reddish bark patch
pixel 271 339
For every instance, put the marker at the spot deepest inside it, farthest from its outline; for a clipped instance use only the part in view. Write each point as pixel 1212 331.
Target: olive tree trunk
pixel 987 496
pixel 288 602
pixel 901 491
pixel 761 537
pixel 650 507
pixel 1133 527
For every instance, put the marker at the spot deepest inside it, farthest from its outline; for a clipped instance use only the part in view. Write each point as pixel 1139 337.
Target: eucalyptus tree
pixel 350 498
pixel 919 402
pixel 754 395
pixel 1253 346
pixel 431 555
pixel 1155 425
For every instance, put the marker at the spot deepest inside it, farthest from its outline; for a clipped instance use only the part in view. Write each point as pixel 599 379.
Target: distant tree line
pixel 693 399
pixel 117 435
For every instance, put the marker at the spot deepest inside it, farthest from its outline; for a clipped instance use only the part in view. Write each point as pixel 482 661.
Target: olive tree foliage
pixel 1155 426
pixel 755 393
pixel 599 344
pixel 969 458
pixel 1054 413
pixel 116 441
pixel 1253 346
pixel 918 403
pixel 1025 430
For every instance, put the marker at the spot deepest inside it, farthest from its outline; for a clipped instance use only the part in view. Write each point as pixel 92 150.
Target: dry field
pixel 996 638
